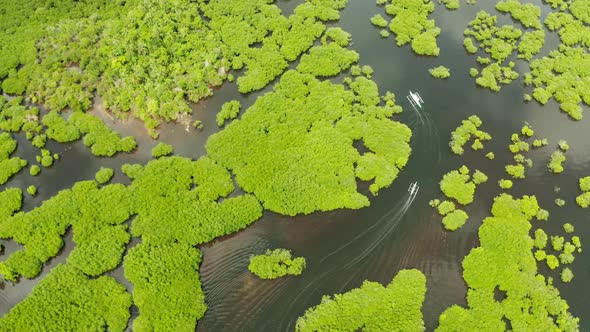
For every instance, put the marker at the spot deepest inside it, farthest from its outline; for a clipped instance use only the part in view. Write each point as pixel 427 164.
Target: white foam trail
pixel 419 115
pixel 392 224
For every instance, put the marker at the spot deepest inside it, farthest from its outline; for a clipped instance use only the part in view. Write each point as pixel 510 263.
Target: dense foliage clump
pixel 450 4
pixel 175 203
pixel 328 59
pixel 456 184
pixel 455 220
pixel 459 185
pixel 410 24
pixel 229 111
pixel 566 275
pixel 556 161
pixel 505 184
pixel 379 21
pixel 9 166
pixel 444 207
pixel 515 171
pixel 564 75
pixel 468 129
pixel 104 175
pixel 372 307
pixel 294 147
pixel 149 58
pixel 10 202
pixel 528 14
pixel 16 117
pixel 440 72
pixel 32 190
pixel 162 149
pixel 68 300
pixel 499 43
pixel 583 199
pixel 35 170
pixel 166 286
pixel 262 40
pixel 102 141
pixel 275 264
pixel 504 261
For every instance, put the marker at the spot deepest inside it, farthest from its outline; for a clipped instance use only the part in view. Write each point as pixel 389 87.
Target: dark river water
pixel 345 247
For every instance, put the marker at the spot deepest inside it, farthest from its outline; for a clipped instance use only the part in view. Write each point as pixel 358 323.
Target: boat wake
pixel 376 235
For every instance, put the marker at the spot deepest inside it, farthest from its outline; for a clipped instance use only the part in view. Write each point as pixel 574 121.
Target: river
pixel 345 247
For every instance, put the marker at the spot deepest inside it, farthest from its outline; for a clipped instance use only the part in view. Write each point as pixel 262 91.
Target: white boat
pixel 413 189
pixel 415 99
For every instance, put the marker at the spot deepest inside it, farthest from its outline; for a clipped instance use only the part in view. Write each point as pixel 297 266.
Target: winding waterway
pixel 397 231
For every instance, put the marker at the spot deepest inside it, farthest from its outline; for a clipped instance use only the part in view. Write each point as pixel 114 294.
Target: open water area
pixel 398 231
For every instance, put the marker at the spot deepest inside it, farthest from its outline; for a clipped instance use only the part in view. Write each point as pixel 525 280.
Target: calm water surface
pixel 343 248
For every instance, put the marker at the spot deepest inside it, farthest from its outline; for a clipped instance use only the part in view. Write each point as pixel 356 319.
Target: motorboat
pixel 413 189
pixel 415 99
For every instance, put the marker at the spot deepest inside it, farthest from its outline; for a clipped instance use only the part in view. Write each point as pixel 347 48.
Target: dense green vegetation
pixel 527 14
pixel 444 207
pixel 95 216
pixel 467 130
pixel 148 58
pixel 566 275
pixel 563 75
pixel 10 202
pixel 68 300
pixel 9 166
pixel 379 21
pixel 32 190
pixel 479 177
pixel 455 220
pixel 104 175
pixel 35 170
pixel 563 146
pixel 440 72
pixel 229 111
pixel 583 199
pixel 327 60
pixel 562 250
pixel 410 24
pixel 450 4
pixel 456 184
pixel 435 202
pixel 459 185
pixel 555 162
pixel 241 25
pixel 117 50
pixel 371 307
pixel 14 117
pixel 499 43
pixel 175 203
pixel 275 264
pixel 101 139
pixel 515 171
pixel 166 284
pixel 504 261
pixel 162 149
pixel 505 184
pixel 293 147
